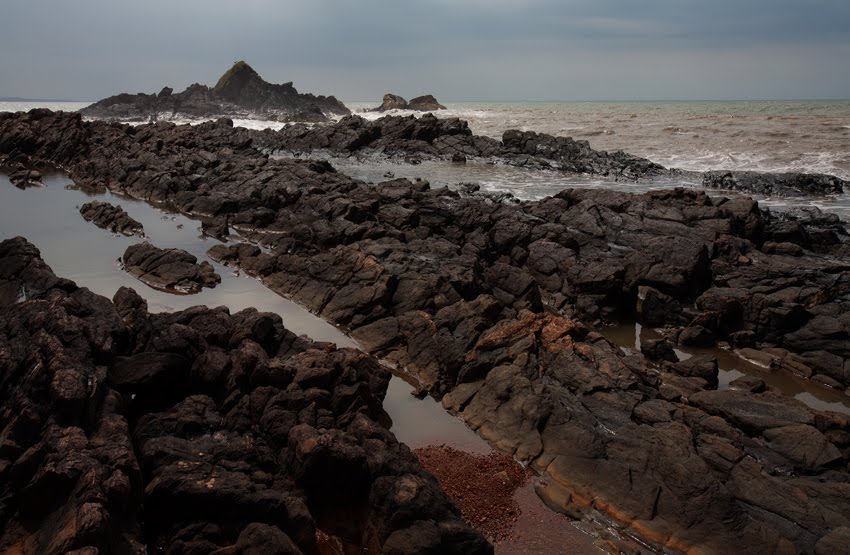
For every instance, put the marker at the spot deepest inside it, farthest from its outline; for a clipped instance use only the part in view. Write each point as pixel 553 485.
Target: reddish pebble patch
pixel 482 486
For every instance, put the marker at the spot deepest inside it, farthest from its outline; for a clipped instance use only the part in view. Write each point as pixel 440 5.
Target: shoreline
pixel 608 385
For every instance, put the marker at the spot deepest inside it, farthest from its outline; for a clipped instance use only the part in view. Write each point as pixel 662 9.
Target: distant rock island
pixel 425 103
pixel 240 92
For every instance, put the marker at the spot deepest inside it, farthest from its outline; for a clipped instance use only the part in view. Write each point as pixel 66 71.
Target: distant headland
pixel 239 92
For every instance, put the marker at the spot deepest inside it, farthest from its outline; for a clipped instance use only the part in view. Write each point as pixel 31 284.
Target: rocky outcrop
pixel 111 217
pixel 425 103
pixel 488 304
pixel 195 432
pixel 171 270
pixel 451 137
pixel 240 91
pixel 778 184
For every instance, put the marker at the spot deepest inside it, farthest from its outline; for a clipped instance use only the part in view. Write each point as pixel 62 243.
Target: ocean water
pixel 805 135
pixel 776 136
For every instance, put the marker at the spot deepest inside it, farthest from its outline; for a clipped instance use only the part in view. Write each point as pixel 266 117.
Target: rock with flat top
pixel 171 270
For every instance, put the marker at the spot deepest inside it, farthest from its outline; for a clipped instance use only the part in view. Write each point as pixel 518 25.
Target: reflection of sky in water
pixel 49 217
pixel 76 249
pixel 731 366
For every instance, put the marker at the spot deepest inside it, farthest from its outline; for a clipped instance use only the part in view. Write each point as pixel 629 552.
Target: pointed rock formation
pixel 239 92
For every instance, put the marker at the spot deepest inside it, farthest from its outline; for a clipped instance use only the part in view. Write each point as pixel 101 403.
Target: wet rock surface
pixel 779 184
pixel 171 270
pixel 484 303
pixel 239 92
pixel 195 432
pixel 111 217
pixel 429 136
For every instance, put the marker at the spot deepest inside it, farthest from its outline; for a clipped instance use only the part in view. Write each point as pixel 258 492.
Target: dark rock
pixel 659 349
pixel 258 538
pixel 748 383
pixel 426 103
pixel 151 374
pixel 803 445
pixel 392 102
pixel 753 412
pixel 699 366
pixel 170 270
pixel 469 295
pixel 781 184
pixel 113 218
pixel 240 91
pixel 834 543
pixel 233 435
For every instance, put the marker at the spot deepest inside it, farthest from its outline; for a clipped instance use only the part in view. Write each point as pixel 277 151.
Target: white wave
pixel 26 106
pixel 259 124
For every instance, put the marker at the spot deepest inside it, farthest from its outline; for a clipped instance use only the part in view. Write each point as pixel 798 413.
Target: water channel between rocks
pixel 49 217
pixel 76 249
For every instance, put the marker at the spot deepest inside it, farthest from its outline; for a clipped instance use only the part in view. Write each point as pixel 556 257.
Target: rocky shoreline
pixel 171 270
pixel 484 304
pixel 196 431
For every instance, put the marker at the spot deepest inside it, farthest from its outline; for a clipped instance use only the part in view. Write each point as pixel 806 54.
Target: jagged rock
pixel 227 429
pixel 171 270
pixel 430 136
pixel 425 103
pixel 781 184
pixel 392 102
pixel 470 296
pixel 240 91
pixel 113 218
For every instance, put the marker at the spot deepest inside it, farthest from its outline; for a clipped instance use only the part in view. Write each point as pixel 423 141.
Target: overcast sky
pixel 455 49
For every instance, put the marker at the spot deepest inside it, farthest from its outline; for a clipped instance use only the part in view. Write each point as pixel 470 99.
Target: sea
pixel 774 136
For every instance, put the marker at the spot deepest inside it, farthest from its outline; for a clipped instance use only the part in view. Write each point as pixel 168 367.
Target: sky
pixel 458 50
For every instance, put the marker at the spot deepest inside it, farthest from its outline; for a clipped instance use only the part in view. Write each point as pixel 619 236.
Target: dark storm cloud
pixel 474 49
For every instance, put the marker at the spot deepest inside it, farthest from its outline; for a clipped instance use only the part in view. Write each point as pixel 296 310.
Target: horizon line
pixel 507 101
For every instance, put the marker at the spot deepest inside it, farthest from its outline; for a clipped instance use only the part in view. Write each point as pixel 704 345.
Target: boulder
pixel 426 103
pixel 171 270
pixel 113 218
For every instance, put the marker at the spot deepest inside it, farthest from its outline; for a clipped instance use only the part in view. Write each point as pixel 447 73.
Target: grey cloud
pixel 477 49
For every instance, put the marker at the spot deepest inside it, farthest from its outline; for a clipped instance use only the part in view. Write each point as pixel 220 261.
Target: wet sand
pixel 496 496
